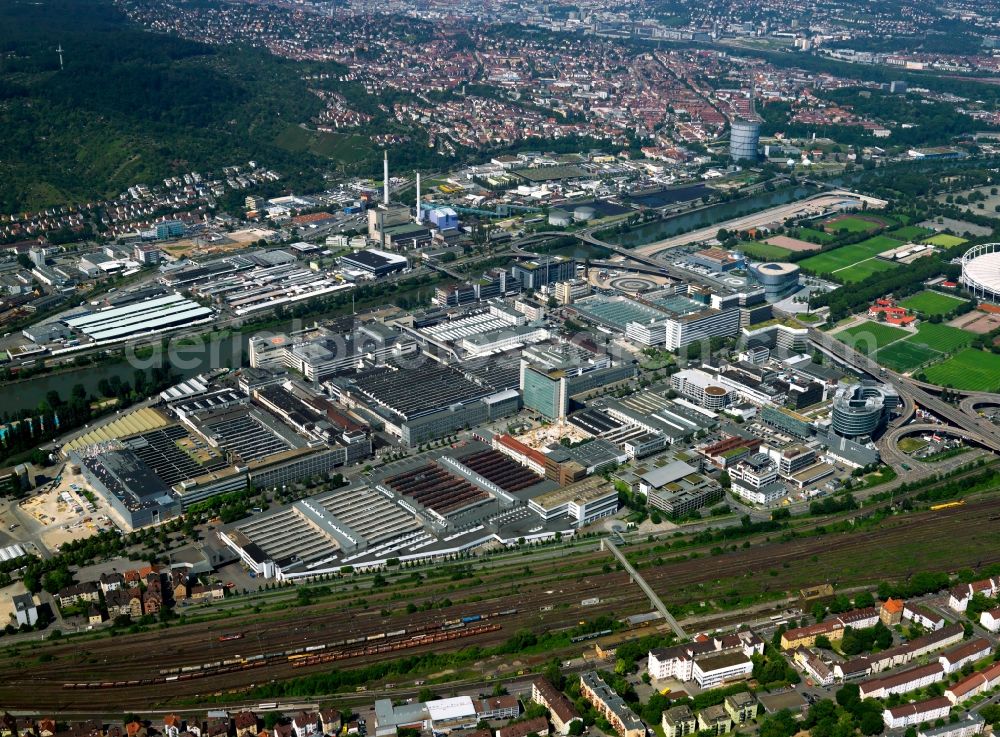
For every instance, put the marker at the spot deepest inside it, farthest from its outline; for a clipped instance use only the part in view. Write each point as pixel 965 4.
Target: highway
pixel 972 426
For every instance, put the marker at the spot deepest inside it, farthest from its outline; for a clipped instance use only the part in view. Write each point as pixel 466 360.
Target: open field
pixel 970 369
pixel 945 240
pixel 863 269
pixel 792 244
pixel 977 322
pixel 764 251
pixel 820 236
pixel 869 336
pixel 909 233
pixel 905 356
pixel 838 260
pixel 853 224
pixel 943 338
pixel 931 303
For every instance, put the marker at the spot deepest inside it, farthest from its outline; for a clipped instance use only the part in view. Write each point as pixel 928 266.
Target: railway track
pixel 142 656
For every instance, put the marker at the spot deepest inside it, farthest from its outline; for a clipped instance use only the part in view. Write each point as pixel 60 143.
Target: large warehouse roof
pixel 141 317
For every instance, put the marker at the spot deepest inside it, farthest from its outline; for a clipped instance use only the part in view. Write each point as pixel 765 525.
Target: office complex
pixel 861 409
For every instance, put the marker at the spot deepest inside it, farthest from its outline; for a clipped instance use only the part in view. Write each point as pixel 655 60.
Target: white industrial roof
pixel 453 708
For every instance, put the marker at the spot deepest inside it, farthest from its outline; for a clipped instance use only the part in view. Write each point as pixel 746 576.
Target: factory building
pixel 374 262
pixel 550 375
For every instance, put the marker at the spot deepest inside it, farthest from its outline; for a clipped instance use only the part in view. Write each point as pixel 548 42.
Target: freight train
pixel 352 647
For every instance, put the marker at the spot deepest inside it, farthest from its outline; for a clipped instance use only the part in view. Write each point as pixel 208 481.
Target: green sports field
pixel 819 236
pixel 840 259
pixel 910 233
pixel 869 336
pixel 863 269
pixel 931 303
pixel 942 338
pixel 851 225
pixel 970 369
pixel 764 251
pixel 905 356
pixel 944 240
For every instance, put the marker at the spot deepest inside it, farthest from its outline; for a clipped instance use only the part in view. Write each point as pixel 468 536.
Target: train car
pixel 508 612
pixel 948 505
pixel 397 633
pixel 471 618
pixel 379 636
pixel 231 636
pixel 314 648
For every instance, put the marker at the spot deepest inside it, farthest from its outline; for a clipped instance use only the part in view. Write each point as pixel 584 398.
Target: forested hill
pixel 129 106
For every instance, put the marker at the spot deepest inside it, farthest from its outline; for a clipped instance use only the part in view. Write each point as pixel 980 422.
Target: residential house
pixel 923 616
pixel 990 620
pixel 8 725
pixel 217 726
pixel 539 726
pixel 245 723
pixel 961 595
pixel 70 595
pixel 94 615
pixel 306 723
pixel 152 600
pixel 814 666
pixel 742 707
pixel 132 578
pixel 498 707
pixel 612 706
pixel 46 727
pixel 679 721
pixel 902 682
pixel 891 612
pixel 974 684
pixel 715 719
pixel 179 585
pixel 172 725
pixel 561 709
pixel 906 715
pixel 968 652
pixel 136 729
pixel 112 581
pixel 119 602
pixel 330 719
pixel 968 726
pixel 135 603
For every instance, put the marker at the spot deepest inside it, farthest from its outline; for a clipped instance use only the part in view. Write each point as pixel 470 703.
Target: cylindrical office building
pixel 779 279
pixel 744 139
pixel 859 409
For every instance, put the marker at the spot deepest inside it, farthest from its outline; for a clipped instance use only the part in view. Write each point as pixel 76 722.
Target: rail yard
pixel 194 660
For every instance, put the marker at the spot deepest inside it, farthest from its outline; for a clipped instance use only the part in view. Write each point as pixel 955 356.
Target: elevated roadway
pixel 976 428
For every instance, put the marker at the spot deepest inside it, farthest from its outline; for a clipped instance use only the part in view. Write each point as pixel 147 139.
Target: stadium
pixel 981 272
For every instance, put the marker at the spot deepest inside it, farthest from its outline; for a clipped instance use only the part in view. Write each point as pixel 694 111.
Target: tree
pixel 871 724
pixel 576 728
pixel 864 600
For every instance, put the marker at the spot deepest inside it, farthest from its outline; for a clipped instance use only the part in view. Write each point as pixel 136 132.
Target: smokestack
pixel 385 177
pixel 420 215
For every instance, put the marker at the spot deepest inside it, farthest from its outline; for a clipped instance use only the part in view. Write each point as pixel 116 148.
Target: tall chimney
pixel 420 215
pixel 385 177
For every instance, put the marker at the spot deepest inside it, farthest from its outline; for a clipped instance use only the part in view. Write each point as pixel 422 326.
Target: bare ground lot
pixel 976 322
pixel 793 244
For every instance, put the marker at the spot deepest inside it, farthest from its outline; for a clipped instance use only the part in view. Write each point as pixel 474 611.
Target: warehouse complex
pixel 417 509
